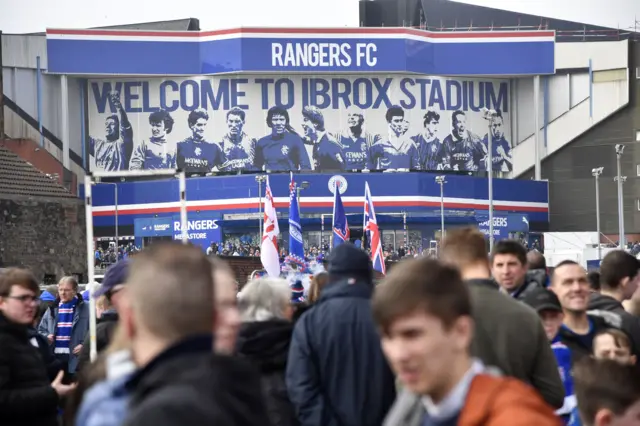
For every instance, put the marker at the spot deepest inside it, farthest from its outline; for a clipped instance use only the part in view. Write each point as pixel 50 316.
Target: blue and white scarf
pixel 65 325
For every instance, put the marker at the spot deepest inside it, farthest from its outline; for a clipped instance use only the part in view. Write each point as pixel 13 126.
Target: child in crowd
pixel 615 345
pixel 546 303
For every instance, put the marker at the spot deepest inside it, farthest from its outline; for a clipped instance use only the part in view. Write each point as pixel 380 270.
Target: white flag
pixel 269 249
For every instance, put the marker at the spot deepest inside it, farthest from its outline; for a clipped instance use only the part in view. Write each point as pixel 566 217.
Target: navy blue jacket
pixel 336 372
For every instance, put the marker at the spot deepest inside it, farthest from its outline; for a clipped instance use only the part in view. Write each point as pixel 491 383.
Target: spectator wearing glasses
pixel 27 397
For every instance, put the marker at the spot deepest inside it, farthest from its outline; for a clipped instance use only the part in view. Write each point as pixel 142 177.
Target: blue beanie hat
pixel 297 292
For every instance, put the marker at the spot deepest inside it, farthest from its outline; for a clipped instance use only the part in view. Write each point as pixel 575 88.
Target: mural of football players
pixel 397 150
pixel 501 156
pixel 157 152
pixel 195 154
pixel 114 151
pixel 429 146
pixel 282 150
pixel 237 146
pixel 463 150
pixel 356 142
pixel 327 153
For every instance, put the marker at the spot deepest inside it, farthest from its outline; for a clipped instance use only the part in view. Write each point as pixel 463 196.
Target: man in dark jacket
pixel 509 269
pixel 113 282
pixel 336 371
pixel 619 279
pixel 537 269
pixel 180 381
pixel 27 396
pixel 508 334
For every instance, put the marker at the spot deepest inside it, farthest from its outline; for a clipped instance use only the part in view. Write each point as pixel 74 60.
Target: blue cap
pixel 115 275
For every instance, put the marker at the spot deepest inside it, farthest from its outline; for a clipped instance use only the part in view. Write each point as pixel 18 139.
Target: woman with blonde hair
pixel 264 338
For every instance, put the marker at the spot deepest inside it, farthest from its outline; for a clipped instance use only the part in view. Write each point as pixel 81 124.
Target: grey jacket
pixel 49 323
pixel 509 335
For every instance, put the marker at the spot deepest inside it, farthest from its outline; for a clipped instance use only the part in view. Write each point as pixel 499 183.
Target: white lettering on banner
pixel 500 222
pixel 318 54
pixel 357 110
pixel 161 227
pixel 485 231
pixel 200 236
pixel 198 225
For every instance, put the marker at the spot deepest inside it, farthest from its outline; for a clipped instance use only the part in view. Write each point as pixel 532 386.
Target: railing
pixel 561 35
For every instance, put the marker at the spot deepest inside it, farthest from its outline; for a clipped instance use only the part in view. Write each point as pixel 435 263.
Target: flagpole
pixel 333 216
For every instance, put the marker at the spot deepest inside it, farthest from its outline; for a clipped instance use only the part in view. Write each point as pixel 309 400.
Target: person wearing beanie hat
pixel 297 292
pixel 113 281
pixel 336 366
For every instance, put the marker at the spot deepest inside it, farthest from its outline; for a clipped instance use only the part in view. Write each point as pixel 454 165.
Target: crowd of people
pixel 466 339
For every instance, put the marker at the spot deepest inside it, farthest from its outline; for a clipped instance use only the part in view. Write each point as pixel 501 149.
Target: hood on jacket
pixel 344 288
pixel 108 316
pixel 539 276
pixel 47 297
pixel 604 303
pixel 265 343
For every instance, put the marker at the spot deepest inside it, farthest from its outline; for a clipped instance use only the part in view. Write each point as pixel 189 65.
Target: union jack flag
pixel 372 232
pixel 341 232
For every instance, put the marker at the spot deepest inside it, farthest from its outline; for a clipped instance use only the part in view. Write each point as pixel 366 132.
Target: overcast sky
pixel 20 16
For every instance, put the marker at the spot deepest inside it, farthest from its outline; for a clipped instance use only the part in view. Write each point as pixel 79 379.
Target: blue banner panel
pixel 414 192
pixel 500 226
pixel 381 50
pixel 153 227
pixel 202 229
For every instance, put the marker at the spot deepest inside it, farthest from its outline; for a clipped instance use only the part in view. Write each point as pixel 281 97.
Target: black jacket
pixel 105 327
pixel 53 365
pixel 265 345
pixel 26 395
pixel 583 346
pixel 630 324
pixel 336 371
pixel 188 385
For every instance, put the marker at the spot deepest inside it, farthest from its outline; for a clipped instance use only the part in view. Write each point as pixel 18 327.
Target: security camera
pixel 619 149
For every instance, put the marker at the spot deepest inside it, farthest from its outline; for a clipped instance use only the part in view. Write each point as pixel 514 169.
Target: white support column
pixel 536 118
pixel 64 120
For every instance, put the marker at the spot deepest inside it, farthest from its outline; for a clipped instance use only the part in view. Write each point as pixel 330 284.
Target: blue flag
pixel 340 226
pixel 296 247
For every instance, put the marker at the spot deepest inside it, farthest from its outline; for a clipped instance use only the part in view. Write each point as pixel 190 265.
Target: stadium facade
pixel 283 99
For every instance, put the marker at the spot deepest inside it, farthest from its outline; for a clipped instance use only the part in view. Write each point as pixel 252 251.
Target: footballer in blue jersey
pixel 157 152
pixel 282 150
pixel 397 150
pixel 501 148
pixel 114 151
pixel 238 148
pixel 356 143
pixel 327 153
pixel 195 154
pixel 463 150
pixel 429 146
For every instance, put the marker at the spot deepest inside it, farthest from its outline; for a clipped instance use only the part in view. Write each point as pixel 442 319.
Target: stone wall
pixel 47 236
